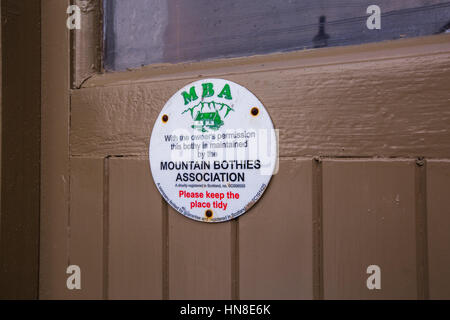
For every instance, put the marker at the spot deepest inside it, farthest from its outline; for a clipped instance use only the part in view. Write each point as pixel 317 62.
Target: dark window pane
pixel 142 32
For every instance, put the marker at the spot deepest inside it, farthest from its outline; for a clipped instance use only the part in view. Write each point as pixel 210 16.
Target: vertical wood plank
pixel 87 50
pixel 275 238
pixel 55 103
pixel 438 203
pixel 199 258
pixel 369 219
pixel 135 231
pixel 86 226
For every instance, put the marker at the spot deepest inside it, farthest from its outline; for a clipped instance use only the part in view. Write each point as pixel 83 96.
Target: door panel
pixel 135 231
pixel 199 259
pixel 438 201
pixel 85 225
pixel 275 238
pixel 369 219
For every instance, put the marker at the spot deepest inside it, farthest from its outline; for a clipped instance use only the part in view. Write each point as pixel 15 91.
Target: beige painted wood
pixel 87 42
pixel 369 219
pixel 275 238
pixel 55 102
pixel 86 226
pixel 199 259
pixel 409 47
pixel 438 203
pixel 379 106
pixel 115 117
pixel 135 231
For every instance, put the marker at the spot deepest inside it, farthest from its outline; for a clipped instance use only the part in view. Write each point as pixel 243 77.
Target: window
pixel 142 32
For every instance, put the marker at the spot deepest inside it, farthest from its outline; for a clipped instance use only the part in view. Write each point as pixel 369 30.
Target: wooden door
pixel 363 180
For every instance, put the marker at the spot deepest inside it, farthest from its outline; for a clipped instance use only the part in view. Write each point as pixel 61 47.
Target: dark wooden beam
pixel 20 154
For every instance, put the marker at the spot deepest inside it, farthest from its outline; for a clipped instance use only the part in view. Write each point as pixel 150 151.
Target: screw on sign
pixel 213 150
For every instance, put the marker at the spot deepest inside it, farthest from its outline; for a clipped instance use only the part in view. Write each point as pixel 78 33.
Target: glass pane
pixel 142 32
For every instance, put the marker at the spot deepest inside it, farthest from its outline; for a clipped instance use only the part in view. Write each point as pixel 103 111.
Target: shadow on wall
pixel 321 39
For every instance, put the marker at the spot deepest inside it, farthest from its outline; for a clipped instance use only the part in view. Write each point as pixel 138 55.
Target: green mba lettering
pixel 207 115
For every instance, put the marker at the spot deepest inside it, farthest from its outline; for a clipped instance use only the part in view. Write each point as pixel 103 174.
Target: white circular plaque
pixel 213 150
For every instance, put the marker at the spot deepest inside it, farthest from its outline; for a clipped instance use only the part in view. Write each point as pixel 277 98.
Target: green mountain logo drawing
pixel 208 119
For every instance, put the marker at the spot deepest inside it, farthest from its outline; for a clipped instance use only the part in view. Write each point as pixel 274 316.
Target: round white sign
pixel 213 150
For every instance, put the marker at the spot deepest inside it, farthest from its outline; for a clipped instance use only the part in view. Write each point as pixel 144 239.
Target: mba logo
pixel 210 112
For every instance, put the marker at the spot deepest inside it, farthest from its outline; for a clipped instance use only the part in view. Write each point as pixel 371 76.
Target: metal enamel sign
pixel 213 150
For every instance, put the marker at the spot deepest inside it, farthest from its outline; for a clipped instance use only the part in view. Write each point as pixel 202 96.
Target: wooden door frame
pixel 56 86
pixel 69 57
